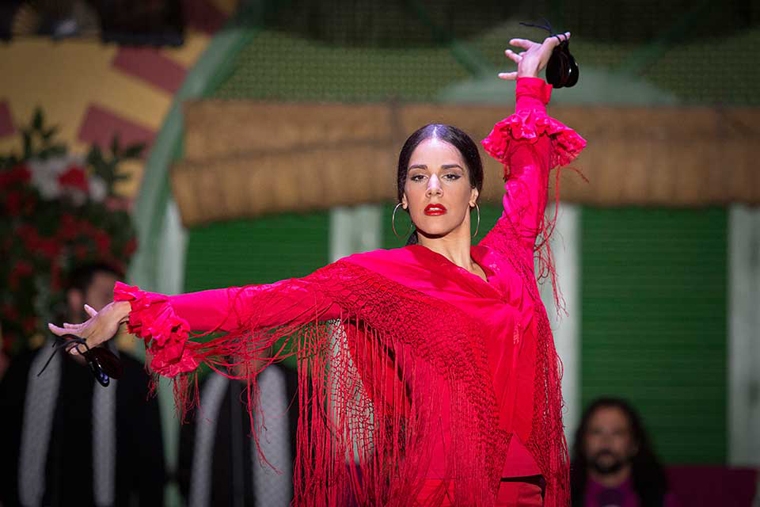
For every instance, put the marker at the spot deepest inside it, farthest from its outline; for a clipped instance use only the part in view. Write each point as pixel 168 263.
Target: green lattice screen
pixel 654 323
pixel 256 251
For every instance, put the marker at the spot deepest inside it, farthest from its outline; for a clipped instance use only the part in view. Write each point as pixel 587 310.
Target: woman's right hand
pixel 534 56
pixel 100 327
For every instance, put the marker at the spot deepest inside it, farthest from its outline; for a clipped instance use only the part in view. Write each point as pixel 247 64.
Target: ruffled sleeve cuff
pixel 153 319
pixel 529 123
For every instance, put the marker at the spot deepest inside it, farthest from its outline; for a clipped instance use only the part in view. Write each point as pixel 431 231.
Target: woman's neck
pixel 454 246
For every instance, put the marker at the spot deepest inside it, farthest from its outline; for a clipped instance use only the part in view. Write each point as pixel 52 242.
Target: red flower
pixel 19 174
pixel 29 205
pixel 30 238
pixel 102 241
pixel 67 227
pixel 20 270
pixel 13 203
pixel 23 268
pixel 86 227
pixel 29 324
pixel 74 177
pixel 81 252
pixel 49 247
pixel 27 234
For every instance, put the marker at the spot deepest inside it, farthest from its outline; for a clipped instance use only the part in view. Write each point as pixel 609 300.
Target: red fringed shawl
pixel 410 367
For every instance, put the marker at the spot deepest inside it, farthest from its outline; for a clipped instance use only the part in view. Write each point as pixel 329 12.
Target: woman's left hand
pixel 534 58
pixel 100 327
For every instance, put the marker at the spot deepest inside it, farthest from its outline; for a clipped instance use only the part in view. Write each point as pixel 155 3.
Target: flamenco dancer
pixel 427 374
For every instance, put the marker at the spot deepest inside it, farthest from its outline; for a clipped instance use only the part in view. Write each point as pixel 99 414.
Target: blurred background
pixel 263 138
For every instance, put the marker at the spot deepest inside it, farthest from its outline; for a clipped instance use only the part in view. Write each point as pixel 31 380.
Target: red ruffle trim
pixel 530 125
pixel 165 333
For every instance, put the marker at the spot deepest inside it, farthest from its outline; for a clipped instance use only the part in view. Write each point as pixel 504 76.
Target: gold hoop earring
pixel 393 223
pixel 477 227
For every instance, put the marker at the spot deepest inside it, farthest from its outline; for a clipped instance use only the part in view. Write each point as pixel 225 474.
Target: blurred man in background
pixel 65 440
pixel 613 463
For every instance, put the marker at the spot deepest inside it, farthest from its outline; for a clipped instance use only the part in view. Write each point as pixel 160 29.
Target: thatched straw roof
pixel 245 158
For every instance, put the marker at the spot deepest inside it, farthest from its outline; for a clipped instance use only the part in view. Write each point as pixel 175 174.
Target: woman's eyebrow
pixel 444 166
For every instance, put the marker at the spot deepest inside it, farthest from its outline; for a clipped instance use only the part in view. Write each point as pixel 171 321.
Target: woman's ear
pixel 474 194
pixel 404 202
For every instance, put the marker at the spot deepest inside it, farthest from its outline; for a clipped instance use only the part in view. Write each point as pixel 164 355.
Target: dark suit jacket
pixel 140 473
pixel 232 443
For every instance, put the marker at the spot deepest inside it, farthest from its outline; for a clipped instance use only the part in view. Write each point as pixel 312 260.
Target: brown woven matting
pixel 245 158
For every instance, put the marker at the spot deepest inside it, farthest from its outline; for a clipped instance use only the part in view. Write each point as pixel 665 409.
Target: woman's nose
pixel 434 186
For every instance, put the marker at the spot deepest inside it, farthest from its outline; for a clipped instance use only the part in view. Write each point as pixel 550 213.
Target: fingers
pixel 508 76
pixel 557 38
pixel 90 310
pixel 58 331
pixel 553 40
pixel 61 331
pixel 515 57
pixel 522 43
pixel 73 348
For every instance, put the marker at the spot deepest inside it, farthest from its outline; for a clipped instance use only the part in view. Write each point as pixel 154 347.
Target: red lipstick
pixel 435 210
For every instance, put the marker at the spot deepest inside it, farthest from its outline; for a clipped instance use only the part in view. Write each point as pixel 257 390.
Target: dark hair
pixel 648 474
pixel 450 134
pixel 81 277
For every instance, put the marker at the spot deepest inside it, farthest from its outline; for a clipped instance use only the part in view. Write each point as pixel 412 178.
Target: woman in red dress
pixel 428 373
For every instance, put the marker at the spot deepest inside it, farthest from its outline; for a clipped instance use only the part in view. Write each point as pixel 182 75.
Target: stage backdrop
pixel 653 281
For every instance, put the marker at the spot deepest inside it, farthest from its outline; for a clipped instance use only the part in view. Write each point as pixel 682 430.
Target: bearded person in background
pixel 613 463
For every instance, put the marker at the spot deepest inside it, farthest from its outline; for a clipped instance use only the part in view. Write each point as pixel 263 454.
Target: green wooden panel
pixel 654 322
pixel 256 251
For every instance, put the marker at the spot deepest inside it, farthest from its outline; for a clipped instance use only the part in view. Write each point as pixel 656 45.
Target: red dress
pixel 411 368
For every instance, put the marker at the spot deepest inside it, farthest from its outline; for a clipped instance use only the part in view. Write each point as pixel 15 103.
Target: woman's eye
pixel 452 177
pixel 416 177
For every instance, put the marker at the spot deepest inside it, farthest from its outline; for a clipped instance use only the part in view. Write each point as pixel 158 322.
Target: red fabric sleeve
pixel 282 303
pixel 529 143
pixel 164 322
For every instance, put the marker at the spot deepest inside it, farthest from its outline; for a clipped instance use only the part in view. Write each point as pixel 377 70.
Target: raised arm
pixel 529 143
pixel 527 163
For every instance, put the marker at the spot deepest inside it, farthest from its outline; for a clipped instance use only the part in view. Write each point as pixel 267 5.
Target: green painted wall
pixel 256 251
pixel 654 322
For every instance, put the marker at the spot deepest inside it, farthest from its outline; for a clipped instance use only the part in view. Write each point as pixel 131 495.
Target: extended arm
pixel 164 322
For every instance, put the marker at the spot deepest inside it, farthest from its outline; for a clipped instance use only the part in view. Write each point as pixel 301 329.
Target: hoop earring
pixel 477 227
pixel 393 223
